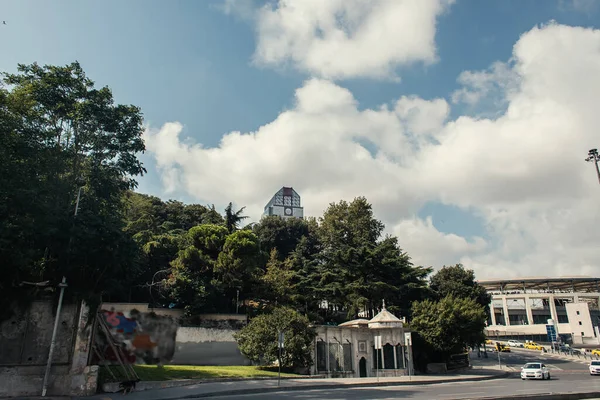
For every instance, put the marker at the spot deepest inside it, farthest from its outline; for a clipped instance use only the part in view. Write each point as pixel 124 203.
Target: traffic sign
pixel 280 340
pixel 377 343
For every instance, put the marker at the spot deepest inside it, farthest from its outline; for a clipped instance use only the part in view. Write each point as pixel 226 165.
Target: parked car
pixel 515 343
pixel 596 352
pixel 533 346
pixel 595 368
pixel 535 370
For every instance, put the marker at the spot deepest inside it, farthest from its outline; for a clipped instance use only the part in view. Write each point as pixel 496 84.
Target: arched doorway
pixel 362 368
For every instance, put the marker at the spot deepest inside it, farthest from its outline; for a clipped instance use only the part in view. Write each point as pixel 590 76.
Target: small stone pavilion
pixel 348 349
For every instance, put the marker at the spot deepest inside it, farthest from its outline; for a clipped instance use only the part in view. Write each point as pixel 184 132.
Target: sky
pixel 465 123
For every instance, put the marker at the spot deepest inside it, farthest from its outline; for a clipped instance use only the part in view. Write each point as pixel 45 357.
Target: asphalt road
pixel 567 376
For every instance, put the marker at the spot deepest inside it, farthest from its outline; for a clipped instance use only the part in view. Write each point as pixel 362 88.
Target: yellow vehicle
pixel 533 346
pixel 489 341
pixel 596 352
pixel 502 348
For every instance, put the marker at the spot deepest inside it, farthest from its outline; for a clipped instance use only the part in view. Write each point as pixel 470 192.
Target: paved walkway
pixel 259 386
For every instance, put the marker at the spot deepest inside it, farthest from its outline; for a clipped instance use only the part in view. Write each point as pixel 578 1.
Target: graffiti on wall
pixel 144 337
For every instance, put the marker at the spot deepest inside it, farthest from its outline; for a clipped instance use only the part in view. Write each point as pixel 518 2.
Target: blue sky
pixel 191 62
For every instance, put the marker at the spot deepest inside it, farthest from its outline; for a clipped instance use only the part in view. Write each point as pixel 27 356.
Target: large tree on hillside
pixel 60 137
pixel 283 234
pixel 207 274
pixel 358 268
pixel 458 281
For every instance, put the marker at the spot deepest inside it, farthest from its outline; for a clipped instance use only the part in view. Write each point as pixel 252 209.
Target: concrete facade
pixel 207 346
pixel 522 307
pixel 70 375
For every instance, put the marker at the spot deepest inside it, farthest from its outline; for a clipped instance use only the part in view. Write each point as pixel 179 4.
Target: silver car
pixel 535 370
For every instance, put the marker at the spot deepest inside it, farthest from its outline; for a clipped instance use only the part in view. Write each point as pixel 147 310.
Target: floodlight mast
pixel 594 157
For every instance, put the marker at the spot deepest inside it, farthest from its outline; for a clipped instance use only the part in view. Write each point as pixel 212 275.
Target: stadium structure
pixel 521 308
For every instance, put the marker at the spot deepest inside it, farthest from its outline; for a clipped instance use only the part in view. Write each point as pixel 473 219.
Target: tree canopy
pixel 258 340
pixel 63 139
pixel 450 324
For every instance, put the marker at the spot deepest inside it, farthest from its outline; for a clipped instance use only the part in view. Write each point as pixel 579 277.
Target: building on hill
pixel 285 203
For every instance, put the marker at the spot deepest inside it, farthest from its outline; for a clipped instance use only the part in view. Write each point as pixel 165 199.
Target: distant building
pixel 521 308
pixel 285 203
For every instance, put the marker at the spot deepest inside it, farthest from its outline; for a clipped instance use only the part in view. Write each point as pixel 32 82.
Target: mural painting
pixel 144 337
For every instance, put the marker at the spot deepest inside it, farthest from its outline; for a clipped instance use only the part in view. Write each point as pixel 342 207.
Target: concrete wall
pixel 580 321
pixel 30 332
pixel 212 344
pixel 25 337
pixel 143 308
pixel 207 346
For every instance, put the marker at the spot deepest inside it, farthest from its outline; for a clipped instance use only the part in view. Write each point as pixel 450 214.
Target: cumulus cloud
pixel 338 39
pixel 523 171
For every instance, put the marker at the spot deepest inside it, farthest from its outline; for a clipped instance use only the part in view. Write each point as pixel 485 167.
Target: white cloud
pixel 500 81
pixel 348 38
pixel 431 247
pixel 584 6
pixel 523 172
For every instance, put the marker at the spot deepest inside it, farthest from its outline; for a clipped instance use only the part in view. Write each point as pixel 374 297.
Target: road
pixel 567 376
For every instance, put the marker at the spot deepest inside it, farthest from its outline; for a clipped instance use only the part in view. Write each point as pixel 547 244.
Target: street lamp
pixel 594 157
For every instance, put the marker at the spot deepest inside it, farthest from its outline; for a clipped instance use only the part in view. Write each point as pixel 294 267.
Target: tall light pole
pixel 594 157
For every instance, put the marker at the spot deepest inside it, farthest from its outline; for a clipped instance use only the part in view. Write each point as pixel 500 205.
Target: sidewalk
pixel 216 389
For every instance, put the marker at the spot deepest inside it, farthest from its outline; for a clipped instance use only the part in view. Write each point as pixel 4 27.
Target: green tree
pixel 358 268
pixel 62 136
pixel 277 280
pixel 458 282
pixel 190 278
pixel 216 264
pixel 449 325
pixel 283 234
pixel 233 218
pixel 258 339
pixel 237 266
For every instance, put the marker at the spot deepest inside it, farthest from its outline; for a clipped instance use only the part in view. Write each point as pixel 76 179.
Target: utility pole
pixel 499 362
pixel 62 287
pixel 594 157
pixel 280 338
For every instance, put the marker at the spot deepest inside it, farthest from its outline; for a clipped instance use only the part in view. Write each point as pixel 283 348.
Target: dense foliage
pixel 259 339
pixel 450 324
pixel 68 164
pixel 60 137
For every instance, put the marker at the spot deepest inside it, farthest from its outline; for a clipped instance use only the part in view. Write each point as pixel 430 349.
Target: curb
pixel 547 396
pixel 334 386
pixel 113 387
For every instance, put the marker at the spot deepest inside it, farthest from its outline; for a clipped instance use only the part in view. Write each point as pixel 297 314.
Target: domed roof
pixel 385 319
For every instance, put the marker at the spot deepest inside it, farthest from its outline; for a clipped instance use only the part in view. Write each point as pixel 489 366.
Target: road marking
pixel 555 367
